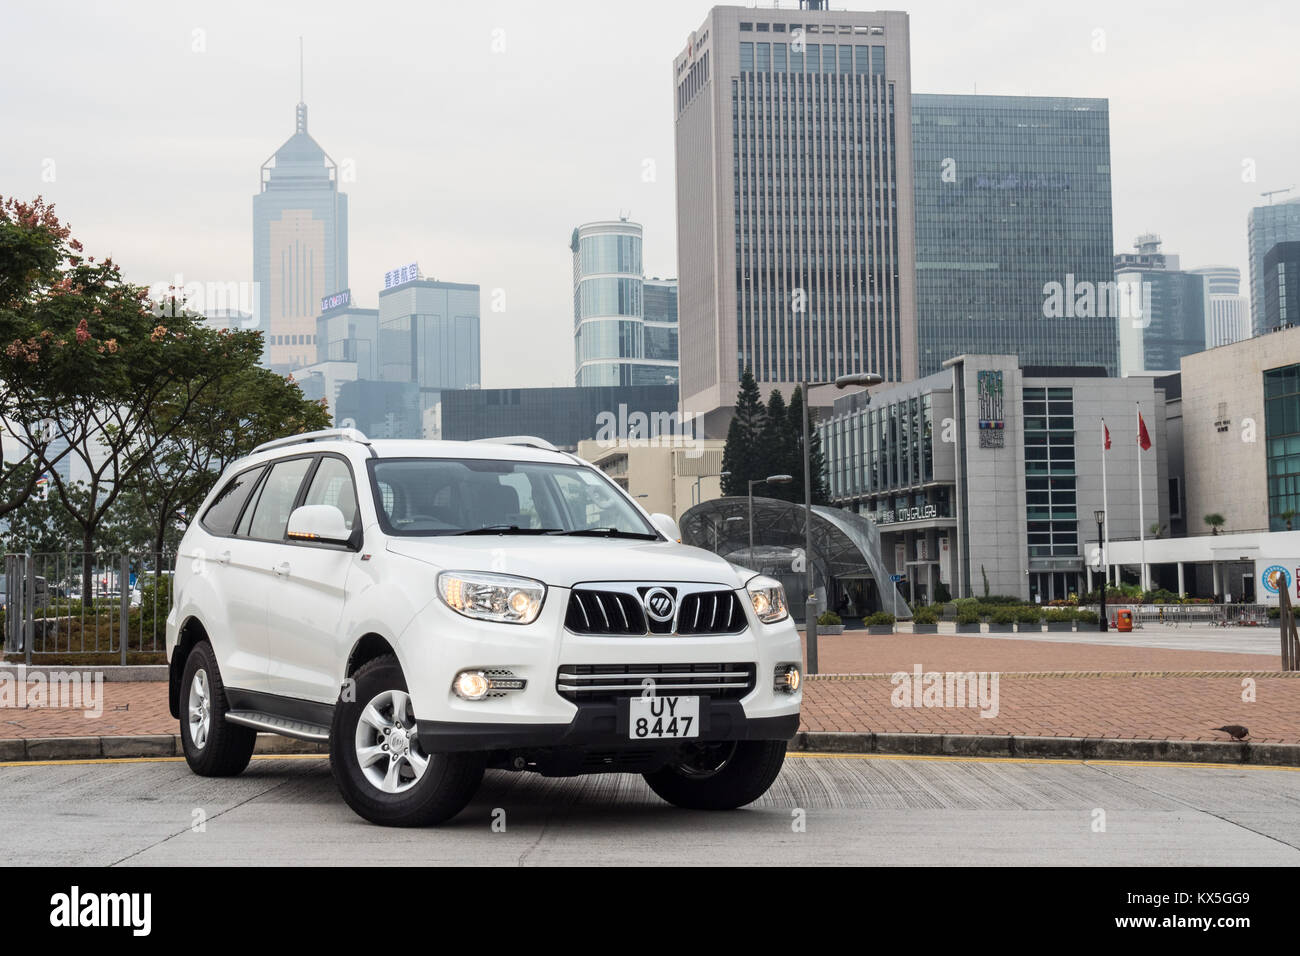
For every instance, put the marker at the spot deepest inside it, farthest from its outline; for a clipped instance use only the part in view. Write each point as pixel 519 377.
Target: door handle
pixel 223 557
pixel 282 568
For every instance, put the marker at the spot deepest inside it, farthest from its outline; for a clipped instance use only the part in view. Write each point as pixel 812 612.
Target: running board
pixel 279 725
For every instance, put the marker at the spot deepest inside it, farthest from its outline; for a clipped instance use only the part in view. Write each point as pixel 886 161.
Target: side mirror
pixel 320 523
pixel 666 526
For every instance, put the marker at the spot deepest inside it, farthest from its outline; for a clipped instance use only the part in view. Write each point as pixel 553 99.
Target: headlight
pixel 492 597
pixel 768 598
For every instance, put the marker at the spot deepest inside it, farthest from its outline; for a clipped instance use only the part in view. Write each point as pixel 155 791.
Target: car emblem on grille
pixel 659 604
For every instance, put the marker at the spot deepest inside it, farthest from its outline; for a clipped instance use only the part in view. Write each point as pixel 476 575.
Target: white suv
pixel 432 609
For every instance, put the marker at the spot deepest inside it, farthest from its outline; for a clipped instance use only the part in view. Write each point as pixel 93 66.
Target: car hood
pixel 564 562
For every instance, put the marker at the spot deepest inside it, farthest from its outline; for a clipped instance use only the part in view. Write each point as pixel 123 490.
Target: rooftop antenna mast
pixel 302 102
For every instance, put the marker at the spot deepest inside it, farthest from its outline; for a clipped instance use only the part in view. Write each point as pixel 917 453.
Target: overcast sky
pixel 153 118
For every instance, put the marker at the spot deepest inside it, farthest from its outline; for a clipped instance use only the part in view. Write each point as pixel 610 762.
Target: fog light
pixel 788 678
pixel 471 685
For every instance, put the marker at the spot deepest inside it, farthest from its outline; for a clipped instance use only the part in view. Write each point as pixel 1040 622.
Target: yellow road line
pixel 1056 760
pixel 89 761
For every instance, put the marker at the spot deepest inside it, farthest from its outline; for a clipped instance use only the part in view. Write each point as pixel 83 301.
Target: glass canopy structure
pixel 850 576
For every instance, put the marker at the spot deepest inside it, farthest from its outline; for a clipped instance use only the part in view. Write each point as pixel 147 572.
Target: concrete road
pixel 1187 637
pixel 854 810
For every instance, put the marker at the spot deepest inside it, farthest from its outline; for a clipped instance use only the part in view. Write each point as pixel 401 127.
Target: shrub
pixel 925 615
pixel 878 619
pixel 1087 617
pixel 1001 599
pixel 1274 613
pixel 1029 614
pixel 1003 615
pixel 829 619
pixel 1061 615
pixel 968 615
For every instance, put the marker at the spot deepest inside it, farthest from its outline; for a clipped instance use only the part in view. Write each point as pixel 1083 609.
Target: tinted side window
pixel 332 485
pixel 271 515
pixel 224 511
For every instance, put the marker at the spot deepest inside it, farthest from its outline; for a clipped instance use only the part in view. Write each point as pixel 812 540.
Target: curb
pixel 1073 748
pixel 109 672
pixel 147 745
pixel 948 745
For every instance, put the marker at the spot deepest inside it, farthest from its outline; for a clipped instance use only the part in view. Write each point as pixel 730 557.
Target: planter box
pixel 830 628
pixel 1060 626
pixel 1029 628
pixel 1002 628
pixel 925 628
pixel 880 629
pixel 968 628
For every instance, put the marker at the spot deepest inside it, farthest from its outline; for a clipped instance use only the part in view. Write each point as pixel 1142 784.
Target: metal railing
pixel 1184 615
pixel 73 603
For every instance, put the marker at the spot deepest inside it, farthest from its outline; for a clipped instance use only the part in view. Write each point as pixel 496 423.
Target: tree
pixel 90 362
pixel 251 406
pixel 1288 516
pixel 816 461
pixel 1215 521
pixel 742 456
pixel 779 454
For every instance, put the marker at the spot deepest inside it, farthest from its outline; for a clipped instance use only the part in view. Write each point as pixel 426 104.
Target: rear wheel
pixel 379 763
pixel 719 776
pixel 213 746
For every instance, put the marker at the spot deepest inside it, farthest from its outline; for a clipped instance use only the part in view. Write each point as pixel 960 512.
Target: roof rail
pixel 325 434
pixel 528 441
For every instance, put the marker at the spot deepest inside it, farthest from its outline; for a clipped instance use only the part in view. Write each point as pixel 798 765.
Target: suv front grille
pixel 621 613
pixel 582 683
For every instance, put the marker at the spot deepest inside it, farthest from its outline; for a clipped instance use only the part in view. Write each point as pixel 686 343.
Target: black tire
pixel 228 747
pixel 749 770
pixel 448 783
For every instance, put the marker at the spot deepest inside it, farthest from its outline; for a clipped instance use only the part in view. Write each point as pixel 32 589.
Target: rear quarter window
pixel 224 511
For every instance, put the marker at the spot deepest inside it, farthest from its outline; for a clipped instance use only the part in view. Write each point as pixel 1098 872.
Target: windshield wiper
pixel 609 533
pixel 508 529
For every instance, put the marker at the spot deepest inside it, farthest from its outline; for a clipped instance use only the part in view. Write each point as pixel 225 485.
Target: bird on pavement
pixel 1235 731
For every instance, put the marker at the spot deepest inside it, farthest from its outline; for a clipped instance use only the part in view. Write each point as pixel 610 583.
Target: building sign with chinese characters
pixel 991 396
pixel 401 276
pixel 336 301
pixel 906 514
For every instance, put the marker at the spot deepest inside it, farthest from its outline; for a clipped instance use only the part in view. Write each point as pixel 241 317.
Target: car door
pixel 228 600
pixel 305 618
pixel 262 554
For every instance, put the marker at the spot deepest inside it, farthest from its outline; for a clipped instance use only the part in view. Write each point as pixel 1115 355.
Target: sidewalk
pixel 1045 689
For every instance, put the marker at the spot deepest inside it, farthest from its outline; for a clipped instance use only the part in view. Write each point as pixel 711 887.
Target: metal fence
pixel 1185 615
pixel 71 603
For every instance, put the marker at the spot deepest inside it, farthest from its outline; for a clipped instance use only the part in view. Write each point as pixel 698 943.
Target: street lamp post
pixel 769 480
pixel 1105 571
pixel 696 497
pixel 865 379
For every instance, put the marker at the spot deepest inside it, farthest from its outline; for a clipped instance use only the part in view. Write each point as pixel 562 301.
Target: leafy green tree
pixel 90 362
pixel 1215 521
pixel 743 454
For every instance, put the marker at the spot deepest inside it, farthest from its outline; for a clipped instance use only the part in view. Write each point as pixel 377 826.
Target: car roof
pixel 411 448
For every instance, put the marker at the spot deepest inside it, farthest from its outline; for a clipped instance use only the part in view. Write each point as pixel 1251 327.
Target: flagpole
pixel 1142 527
pixel 1105 509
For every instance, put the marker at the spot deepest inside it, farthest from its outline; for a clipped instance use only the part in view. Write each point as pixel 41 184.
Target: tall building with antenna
pixel 300 244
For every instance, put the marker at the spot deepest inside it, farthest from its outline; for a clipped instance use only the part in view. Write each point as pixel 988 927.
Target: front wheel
pixel 379 763
pixel 719 776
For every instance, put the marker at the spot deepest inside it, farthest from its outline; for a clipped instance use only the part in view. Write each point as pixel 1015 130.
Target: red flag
pixel 1107 430
pixel 1144 440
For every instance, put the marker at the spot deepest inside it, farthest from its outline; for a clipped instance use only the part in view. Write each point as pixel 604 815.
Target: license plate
pixel 659 718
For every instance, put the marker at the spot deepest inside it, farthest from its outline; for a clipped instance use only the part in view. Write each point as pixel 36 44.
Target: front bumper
pixel 601 726
pixel 439 643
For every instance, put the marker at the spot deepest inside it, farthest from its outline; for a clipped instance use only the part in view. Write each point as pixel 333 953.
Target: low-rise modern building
pixel 984 477
pixel 428 335
pixel 665 476
pixel 347 333
pixel 380 409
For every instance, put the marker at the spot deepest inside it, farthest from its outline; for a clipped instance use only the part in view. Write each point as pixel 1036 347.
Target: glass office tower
pixel 1265 228
pixel 794 201
pixel 1013 202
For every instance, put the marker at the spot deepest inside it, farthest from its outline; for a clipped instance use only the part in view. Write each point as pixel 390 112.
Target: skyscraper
pixel 611 342
pixel 1013 200
pixel 1266 227
pixel 300 245
pixel 428 335
pixel 1282 286
pixel 1229 310
pixel 1173 309
pixel 794 201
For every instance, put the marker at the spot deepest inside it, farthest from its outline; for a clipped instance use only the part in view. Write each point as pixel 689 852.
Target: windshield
pixel 442 496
